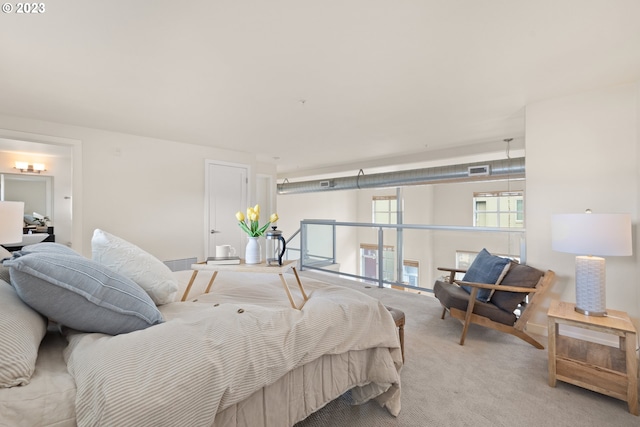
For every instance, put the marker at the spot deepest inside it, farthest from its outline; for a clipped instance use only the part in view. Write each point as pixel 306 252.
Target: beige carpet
pixel 493 380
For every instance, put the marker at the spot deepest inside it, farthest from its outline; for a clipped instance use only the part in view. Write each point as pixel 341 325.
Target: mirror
pixel 34 190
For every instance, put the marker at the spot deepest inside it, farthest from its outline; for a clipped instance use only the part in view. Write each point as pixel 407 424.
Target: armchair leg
pixel 467 317
pixel 444 311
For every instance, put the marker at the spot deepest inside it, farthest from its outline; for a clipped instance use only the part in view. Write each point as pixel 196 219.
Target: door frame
pixel 207 199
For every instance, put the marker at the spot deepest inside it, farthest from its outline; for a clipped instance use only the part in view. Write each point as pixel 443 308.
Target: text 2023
pixel 30 8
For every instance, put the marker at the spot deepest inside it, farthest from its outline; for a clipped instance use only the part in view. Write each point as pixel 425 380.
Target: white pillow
pixel 132 262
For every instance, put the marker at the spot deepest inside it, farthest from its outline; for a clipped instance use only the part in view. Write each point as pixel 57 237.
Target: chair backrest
pixel 519 275
pixel 543 284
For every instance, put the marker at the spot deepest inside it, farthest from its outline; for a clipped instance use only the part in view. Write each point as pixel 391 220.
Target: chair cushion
pixel 486 268
pixel 452 295
pixel 518 275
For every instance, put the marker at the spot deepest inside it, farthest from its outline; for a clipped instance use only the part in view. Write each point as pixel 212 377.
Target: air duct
pixel 482 171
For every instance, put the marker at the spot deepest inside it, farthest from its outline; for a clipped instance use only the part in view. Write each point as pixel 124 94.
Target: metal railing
pixel 329 246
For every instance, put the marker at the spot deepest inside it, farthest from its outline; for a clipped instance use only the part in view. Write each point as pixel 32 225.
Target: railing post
pixel 333 255
pixel 303 243
pixel 380 258
pixel 400 237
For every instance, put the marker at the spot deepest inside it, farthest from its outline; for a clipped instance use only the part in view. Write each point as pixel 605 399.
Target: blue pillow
pixel 486 268
pixel 81 294
pixel 45 247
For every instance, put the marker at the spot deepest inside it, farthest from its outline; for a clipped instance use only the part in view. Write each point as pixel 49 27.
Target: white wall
pixel 337 205
pixel 145 190
pixel 582 152
pixel 438 204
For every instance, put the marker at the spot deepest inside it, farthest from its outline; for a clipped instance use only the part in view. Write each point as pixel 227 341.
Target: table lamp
pixel 11 222
pixel 591 236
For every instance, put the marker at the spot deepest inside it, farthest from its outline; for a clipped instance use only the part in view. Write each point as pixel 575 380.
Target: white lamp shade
pixel 11 222
pixel 592 234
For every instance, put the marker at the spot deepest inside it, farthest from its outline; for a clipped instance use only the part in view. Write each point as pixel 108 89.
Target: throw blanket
pixel 208 356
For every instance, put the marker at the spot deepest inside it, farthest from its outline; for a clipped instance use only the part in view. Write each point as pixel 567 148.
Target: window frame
pixel 391 212
pixel 515 217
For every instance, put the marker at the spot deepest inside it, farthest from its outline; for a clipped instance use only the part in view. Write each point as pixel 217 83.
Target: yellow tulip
pixel 256 208
pixel 274 217
pixel 254 216
pixel 239 216
pixel 249 212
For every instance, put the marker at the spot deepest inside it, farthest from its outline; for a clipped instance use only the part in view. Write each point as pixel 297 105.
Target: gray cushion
pixel 485 268
pixel 45 247
pixel 518 275
pixel 452 295
pixel 82 294
pixel 21 330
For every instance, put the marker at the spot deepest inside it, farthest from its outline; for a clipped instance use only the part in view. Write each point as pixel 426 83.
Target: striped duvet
pixel 219 350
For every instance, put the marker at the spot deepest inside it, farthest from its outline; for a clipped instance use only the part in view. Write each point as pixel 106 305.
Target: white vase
pixel 252 253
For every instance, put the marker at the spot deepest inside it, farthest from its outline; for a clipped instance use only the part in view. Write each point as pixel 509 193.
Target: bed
pixel 238 356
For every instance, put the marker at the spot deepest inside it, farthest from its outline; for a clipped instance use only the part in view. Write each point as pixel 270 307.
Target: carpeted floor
pixel 493 380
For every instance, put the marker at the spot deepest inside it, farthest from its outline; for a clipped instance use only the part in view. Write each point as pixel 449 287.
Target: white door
pixel 226 194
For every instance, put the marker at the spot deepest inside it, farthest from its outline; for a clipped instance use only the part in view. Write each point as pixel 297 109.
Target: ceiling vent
pixel 326 184
pixel 483 170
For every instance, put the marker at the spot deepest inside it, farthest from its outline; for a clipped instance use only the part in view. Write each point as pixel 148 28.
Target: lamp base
pixel 591 313
pixel 590 286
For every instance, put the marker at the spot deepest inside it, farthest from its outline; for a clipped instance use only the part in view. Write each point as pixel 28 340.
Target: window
pixel 369 261
pixel 498 209
pixel 385 210
pixel 410 270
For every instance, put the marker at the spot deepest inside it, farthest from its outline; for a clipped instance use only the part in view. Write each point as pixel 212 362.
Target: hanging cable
pixel 360 173
pixel 509 195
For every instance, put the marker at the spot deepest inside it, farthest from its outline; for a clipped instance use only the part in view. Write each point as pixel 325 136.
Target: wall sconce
pixel 26 167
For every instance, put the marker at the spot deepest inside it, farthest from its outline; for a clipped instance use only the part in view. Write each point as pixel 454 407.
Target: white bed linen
pixel 305 390
pixel 160 374
pixel 207 357
pixel 49 398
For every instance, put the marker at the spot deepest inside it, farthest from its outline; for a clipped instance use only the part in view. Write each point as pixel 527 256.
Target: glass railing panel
pixel 405 257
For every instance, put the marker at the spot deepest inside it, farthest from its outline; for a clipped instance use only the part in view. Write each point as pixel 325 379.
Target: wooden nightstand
pixel 605 369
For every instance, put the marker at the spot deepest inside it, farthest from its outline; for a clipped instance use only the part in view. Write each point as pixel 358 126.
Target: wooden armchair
pixel 507 310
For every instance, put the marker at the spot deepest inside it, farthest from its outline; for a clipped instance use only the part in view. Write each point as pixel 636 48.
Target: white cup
pixel 225 251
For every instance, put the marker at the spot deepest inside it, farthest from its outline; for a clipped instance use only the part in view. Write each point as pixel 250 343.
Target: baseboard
pixel 536 329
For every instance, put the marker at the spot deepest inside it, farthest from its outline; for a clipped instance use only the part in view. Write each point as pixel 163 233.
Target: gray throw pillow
pixel 519 275
pixel 82 294
pixel 486 268
pixel 45 247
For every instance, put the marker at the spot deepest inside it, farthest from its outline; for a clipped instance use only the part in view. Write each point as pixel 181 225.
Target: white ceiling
pixel 320 85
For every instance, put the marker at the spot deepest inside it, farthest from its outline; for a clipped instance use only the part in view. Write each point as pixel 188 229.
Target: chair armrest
pixel 497 287
pixel 452 272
